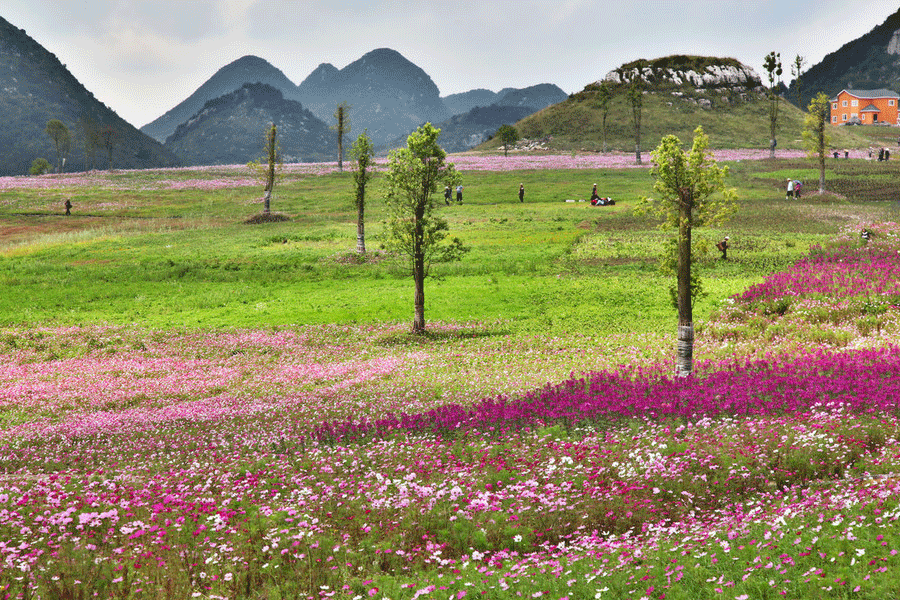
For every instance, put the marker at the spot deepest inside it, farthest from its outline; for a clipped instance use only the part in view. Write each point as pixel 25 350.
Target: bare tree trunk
pixel 419 300
pixel 685 351
pixel 419 272
pixel 821 132
pixel 360 229
pixel 270 173
pixel 773 124
pixel 604 134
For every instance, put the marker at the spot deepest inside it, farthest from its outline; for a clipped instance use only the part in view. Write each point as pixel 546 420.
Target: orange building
pixel 865 107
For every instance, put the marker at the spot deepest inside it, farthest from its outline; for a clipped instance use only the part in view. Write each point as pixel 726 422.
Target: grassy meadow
pixel 193 406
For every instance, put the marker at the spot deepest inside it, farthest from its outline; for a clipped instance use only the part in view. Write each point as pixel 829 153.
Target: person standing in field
pixel 459 190
pixel 790 189
pixel 447 195
pixel 521 192
pixel 68 207
pixel 723 248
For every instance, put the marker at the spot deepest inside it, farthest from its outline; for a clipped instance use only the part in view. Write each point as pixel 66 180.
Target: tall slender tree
pixel 413 229
pixel 691 193
pixel 363 156
pixel 269 169
pixel 604 97
pixel 271 155
pixel 91 137
pixel 62 140
pixel 108 138
pixel 772 64
pixel 815 133
pixel 796 71
pixel 634 79
pixel 342 126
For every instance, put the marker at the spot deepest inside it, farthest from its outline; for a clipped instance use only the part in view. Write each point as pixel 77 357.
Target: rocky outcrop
pixel 701 73
pixel 893 46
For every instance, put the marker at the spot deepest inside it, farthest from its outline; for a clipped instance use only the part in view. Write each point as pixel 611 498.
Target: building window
pixel 844 117
pixel 834 119
pixel 854 102
pixel 890 102
pixel 834 106
pixel 863 118
pixel 844 104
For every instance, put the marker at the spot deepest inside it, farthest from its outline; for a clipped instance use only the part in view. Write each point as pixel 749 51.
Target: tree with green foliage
pixel 62 140
pixel 772 63
pixel 604 97
pixel 363 156
pixel 342 116
pixel 90 133
pixel 412 228
pixel 634 79
pixel 815 132
pixel 508 135
pixel 108 138
pixel 796 71
pixel 269 171
pixel 691 193
pixel 39 166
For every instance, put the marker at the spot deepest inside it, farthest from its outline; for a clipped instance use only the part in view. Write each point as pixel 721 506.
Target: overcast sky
pixel 142 57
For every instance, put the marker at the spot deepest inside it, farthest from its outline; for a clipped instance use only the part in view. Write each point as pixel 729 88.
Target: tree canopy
pixel 412 228
pixel 691 192
pixel 508 135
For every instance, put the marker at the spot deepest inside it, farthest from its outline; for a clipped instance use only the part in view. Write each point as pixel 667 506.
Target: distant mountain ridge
pixel 248 69
pixel 868 62
pixel 37 87
pixel 465 131
pixel 231 129
pixel 536 96
pixel 387 93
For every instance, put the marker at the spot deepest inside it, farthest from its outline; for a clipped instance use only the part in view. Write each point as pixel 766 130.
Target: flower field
pixel 356 462
pixel 487 459
pixel 230 176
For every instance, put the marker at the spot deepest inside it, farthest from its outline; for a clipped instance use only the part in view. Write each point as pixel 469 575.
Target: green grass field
pixel 162 258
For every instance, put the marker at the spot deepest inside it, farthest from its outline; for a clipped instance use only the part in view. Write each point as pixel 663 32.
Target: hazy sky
pixel 142 57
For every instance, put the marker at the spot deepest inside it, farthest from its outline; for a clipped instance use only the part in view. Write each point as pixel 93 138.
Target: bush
pixel 39 166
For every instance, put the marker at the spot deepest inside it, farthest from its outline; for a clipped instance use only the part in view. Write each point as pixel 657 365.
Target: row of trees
pixel 690 192
pixel 635 86
pixel 413 176
pixel 89 133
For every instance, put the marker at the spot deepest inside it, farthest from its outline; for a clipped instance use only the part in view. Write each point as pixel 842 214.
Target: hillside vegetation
pixel 37 87
pixel 733 115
